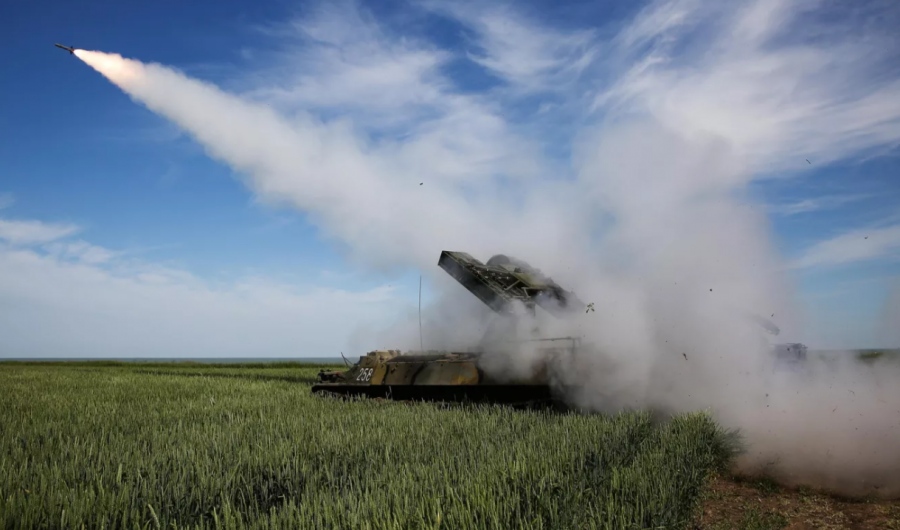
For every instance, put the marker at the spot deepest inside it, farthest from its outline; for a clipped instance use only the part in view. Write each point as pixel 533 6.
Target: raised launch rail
pixel 503 281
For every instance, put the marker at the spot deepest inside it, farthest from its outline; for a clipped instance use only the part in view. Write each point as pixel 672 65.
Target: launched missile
pixel 70 49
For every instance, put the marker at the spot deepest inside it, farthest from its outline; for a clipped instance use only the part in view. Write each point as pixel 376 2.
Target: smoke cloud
pixel 889 330
pixel 651 220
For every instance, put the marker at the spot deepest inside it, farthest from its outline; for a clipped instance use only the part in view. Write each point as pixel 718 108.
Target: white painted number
pixel 365 374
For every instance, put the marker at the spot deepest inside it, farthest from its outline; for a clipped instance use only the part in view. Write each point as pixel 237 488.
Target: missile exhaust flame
pixel 120 71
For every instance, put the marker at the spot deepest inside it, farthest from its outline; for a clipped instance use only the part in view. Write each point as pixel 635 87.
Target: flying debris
pixel 70 49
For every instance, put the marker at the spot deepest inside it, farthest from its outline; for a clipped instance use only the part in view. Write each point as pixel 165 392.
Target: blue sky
pixel 156 183
pixel 109 208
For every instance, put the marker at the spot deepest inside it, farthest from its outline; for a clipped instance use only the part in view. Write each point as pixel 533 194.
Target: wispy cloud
pixel 851 247
pixel 368 80
pixel 761 75
pixel 343 60
pixel 757 75
pixel 816 204
pixel 528 55
pixel 6 200
pixel 81 251
pixel 29 232
pixel 101 302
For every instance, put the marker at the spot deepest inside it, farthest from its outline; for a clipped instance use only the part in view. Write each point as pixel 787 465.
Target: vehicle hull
pixel 443 376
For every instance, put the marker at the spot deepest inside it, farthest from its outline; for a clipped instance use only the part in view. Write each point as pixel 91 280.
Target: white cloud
pixel 780 82
pixel 98 305
pixel 80 251
pixel 851 247
pixel 374 82
pixel 815 204
pixel 658 21
pixel 527 54
pixel 347 62
pixel 31 232
pixel 889 326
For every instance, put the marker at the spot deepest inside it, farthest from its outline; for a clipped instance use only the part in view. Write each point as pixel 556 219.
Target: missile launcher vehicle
pixel 507 286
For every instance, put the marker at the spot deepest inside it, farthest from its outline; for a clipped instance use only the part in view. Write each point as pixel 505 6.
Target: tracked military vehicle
pixel 507 286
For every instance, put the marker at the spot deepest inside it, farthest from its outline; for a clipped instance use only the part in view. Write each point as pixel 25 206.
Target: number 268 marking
pixel 365 374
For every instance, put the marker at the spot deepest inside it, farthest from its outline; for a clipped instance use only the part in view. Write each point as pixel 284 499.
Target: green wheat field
pixel 128 445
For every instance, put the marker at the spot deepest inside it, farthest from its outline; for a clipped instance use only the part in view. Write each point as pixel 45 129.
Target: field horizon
pixel 169 445
pixel 336 360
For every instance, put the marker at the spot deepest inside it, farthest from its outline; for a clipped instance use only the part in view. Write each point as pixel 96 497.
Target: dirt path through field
pixel 763 505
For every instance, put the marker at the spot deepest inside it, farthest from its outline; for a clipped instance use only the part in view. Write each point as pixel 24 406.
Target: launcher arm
pixel 502 281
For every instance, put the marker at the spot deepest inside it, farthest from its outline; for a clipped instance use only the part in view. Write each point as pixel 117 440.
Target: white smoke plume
pixel 650 221
pixel 889 328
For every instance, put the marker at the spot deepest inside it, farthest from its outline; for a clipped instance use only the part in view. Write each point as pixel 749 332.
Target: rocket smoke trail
pixel 672 279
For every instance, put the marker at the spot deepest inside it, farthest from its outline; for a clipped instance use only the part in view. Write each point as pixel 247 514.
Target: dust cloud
pixel 656 229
